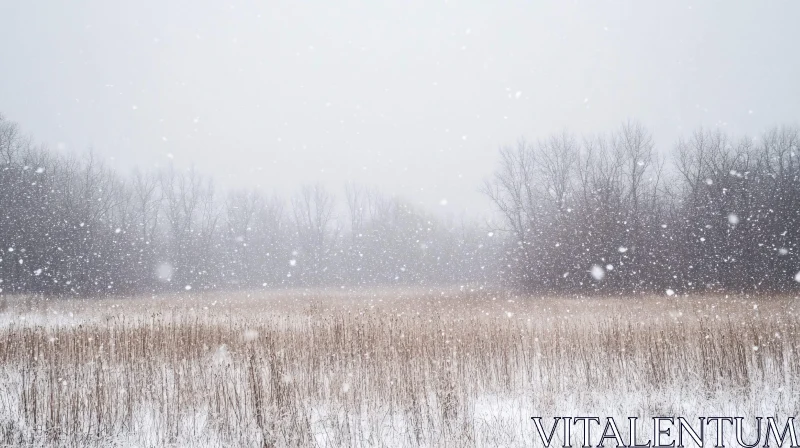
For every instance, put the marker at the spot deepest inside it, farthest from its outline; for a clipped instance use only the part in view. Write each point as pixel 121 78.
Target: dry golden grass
pixel 380 368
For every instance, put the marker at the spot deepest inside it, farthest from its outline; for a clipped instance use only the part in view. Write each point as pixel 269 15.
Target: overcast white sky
pixel 412 96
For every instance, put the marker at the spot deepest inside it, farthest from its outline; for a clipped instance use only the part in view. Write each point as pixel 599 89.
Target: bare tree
pixel 355 197
pixel 313 210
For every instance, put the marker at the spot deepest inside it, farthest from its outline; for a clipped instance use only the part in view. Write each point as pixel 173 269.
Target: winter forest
pixel 428 223
pixel 607 213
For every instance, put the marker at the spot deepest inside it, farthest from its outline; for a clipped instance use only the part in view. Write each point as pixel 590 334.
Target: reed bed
pixel 387 368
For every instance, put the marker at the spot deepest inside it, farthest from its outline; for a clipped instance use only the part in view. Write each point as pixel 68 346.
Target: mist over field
pixel 375 224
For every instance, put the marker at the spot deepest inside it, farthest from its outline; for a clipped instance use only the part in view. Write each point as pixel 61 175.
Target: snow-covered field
pixel 380 368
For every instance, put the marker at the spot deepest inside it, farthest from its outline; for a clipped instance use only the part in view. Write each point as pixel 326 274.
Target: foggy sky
pixel 415 97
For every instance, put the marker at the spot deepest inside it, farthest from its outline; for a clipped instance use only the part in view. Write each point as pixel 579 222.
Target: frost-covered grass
pixel 385 368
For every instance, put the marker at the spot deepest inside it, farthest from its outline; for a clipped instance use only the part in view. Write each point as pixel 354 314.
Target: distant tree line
pixel 608 213
pixel 604 213
pixel 71 226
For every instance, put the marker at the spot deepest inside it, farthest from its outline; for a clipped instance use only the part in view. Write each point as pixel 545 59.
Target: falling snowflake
pixel 250 335
pixel 164 271
pixel 597 272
